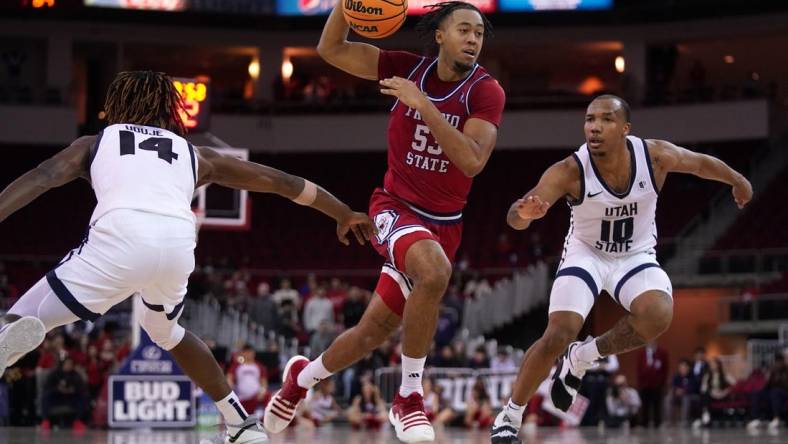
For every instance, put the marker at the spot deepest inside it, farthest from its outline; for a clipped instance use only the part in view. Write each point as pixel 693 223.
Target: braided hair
pixel 433 20
pixel 145 98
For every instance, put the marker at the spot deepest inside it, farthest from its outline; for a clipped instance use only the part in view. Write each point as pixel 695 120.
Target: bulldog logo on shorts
pixel 385 221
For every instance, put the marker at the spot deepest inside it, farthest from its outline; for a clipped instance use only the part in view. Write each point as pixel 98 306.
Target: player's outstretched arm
pixel 241 174
pixel 56 171
pixel 670 158
pixel 560 180
pixel 359 59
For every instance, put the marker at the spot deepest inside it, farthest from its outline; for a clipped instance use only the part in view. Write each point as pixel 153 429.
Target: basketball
pixel 375 19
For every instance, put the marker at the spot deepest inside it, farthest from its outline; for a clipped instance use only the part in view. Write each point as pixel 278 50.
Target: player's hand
pixel 742 192
pixel 359 223
pixel 405 90
pixel 531 207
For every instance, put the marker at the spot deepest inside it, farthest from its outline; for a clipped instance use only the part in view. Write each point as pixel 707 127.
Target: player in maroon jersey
pixel 442 130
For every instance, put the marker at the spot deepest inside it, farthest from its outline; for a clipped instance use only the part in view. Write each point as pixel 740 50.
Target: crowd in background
pixel 63 381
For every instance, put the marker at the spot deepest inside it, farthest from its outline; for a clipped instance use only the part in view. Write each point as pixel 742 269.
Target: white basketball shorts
pixel 125 252
pixel 584 273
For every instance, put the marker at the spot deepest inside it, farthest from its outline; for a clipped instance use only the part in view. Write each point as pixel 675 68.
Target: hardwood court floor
pixel 343 435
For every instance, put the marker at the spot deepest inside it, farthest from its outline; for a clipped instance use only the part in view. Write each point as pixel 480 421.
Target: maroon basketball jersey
pixel 419 171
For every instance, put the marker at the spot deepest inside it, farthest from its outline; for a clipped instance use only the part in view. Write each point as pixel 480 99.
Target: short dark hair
pixel 624 105
pixel 432 20
pixel 700 350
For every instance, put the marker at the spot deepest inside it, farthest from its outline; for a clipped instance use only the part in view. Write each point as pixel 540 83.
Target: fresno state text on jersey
pixel 418 169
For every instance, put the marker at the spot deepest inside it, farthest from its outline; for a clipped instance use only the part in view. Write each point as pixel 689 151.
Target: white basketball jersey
pixel 616 224
pixel 143 168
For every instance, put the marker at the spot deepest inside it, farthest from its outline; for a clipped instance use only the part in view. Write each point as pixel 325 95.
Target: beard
pixel 461 68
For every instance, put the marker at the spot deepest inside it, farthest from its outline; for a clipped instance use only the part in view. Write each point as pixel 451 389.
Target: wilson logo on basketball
pixel 358 6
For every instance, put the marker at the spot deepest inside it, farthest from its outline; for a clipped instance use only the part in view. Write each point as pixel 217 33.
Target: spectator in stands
pixel 249 380
pixel 479 358
pixel 316 310
pixel 716 386
pixel 680 393
pixel 367 411
pixel 453 299
pixel 503 362
pixel 289 325
pixel 97 370
pixel 320 406
pixel 460 353
pixel 108 355
pixel 352 377
pixel 437 409
pixel 448 323
pixel 21 382
pixel 775 394
pixel 64 395
pixel 623 403
pixel 322 338
pixel 309 287
pixel 652 372
pixel 107 334
pixel 213 280
pixel 52 351
pixel 237 290
pixel 699 368
pixel 353 307
pixel 262 309
pixel 596 383
pixel 446 358
pixel 478 408
pixel 337 293
pixel 286 293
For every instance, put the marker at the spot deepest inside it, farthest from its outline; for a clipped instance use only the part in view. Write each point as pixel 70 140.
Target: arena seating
pixel 286 236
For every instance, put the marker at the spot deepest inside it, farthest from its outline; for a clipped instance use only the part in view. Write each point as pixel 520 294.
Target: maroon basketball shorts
pixel 400 225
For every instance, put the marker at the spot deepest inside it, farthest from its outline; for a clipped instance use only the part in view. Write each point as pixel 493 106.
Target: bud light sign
pixel 151 401
pixel 150 390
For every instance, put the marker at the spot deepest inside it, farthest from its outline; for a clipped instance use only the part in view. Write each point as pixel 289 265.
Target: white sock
pixel 588 352
pixel 515 413
pixel 232 410
pixel 313 373
pixel 412 371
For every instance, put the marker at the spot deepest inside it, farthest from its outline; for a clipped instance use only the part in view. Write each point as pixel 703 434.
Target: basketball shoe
pixel 18 338
pixel 505 430
pixel 282 408
pixel 568 375
pixel 409 420
pixel 248 432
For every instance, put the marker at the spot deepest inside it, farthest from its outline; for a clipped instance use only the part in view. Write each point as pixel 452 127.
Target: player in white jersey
pixel 142 233
pixel 611 184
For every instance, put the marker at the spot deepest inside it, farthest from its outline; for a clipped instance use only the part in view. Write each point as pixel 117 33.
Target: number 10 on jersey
pixel 616 235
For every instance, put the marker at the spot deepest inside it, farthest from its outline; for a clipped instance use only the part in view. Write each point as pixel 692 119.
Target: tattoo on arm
pixel 619 339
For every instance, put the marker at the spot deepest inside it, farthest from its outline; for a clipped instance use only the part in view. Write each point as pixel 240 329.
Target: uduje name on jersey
pixel 143 130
